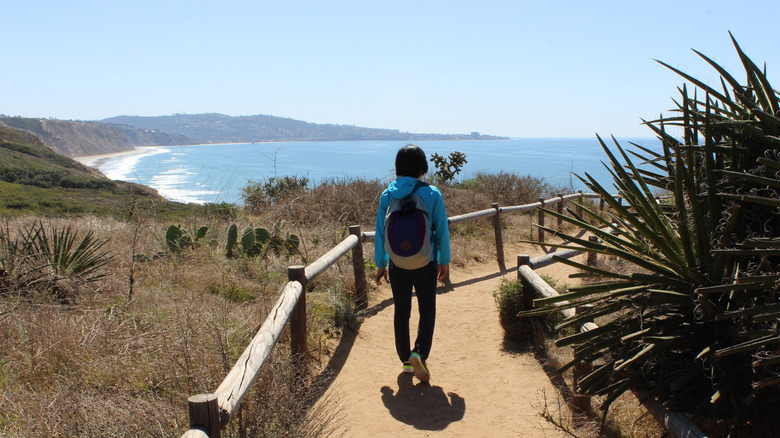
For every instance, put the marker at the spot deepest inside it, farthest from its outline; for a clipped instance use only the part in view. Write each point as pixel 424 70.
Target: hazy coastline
pixel 210 173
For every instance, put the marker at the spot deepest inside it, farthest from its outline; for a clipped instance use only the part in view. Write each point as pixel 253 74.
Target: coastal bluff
pixel 79 138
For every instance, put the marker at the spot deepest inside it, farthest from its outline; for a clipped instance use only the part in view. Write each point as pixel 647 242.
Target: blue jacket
pixel 440 234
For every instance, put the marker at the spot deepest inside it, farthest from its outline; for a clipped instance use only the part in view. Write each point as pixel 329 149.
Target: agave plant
pixel 20 265
pixel 696 322
pixel 67 256
pixel 37 257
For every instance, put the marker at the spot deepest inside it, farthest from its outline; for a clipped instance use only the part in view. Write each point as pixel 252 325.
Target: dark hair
pixel 411 161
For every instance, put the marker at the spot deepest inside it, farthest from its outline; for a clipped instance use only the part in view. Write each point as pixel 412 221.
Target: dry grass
pixel 109 364
pixel 124 354
pixel 626 417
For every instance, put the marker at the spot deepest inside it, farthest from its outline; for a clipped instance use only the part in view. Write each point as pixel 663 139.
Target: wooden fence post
pixel 601 204
pixel 540 221
pixel 204 414
pixel 581 402
pixel 359 269
pixel 579 206
pixel 560 211
pixel 499 238
pixel 592 256
pixel 298 315
pixel 522 260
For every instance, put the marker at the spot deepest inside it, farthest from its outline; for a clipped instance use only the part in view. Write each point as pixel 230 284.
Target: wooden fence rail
pixel 209 413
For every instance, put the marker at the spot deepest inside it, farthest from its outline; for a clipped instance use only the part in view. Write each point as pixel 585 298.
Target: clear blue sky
pixel 515 68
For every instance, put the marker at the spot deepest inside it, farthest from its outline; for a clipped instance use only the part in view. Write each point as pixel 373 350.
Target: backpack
pixel 408 231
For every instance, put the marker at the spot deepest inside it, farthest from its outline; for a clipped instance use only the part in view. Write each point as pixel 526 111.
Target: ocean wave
pixel 123 167
pixel 180 185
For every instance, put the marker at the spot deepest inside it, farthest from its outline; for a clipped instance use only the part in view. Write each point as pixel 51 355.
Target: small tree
pixel 446 169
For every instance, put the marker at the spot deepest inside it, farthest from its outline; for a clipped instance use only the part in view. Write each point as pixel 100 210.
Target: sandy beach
pixel 97 160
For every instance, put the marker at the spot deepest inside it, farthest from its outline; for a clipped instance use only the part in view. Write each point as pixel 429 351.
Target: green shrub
pixel 511 189
pixel 345 312
pixel 233 293
pixel 257 195
pixel 224 211
pixel 346 201
pixel 511 298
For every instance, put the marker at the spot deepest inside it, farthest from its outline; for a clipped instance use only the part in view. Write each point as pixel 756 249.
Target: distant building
pixel 475 134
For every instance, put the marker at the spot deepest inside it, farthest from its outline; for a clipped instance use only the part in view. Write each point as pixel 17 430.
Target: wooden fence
pixel 210 413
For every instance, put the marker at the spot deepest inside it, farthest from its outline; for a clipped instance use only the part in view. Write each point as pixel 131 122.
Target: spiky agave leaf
pixel 697 322
pixel 82 263
pixel 21 267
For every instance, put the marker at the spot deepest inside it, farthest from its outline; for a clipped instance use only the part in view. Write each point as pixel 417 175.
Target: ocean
pixel 216 173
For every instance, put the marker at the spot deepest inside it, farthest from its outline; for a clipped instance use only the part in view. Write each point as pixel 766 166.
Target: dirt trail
pixel 477 388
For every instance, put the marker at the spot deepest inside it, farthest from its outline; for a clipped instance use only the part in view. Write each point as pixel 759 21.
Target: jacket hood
pixel 401 187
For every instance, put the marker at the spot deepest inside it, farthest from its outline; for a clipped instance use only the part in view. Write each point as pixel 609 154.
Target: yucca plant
pixel 35 257
pixel 696 322
pixel 66 256
pixel 20 266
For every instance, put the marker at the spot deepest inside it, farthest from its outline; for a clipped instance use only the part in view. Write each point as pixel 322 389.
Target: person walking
pixel 415 265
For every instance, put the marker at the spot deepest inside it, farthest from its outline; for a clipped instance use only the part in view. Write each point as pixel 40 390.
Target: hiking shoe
pixel 408 368
pixel 420 370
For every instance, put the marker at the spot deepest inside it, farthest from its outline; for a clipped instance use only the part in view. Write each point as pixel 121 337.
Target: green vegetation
pixel 257 242
pixel 36 179
pixel 511 189
pixel 513 297
pixel 23 150
pixel 447 168
pixel 695 322
pixel 260 195
pixel 32 125
pixel 36 259
pixel 178 239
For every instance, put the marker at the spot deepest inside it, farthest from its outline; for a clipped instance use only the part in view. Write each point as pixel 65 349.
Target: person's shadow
pixel 423 406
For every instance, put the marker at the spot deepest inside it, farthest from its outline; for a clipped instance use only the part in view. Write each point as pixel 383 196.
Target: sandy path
pixel 477 388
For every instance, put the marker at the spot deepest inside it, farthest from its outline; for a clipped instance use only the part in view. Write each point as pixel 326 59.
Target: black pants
pixel 423 281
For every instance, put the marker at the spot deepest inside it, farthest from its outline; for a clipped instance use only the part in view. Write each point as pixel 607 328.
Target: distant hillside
pixel 219 128
pixel 35 179
pixel 123 133
pixel 76 138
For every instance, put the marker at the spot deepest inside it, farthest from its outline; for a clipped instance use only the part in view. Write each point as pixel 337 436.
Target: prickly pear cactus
pixel 232 240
